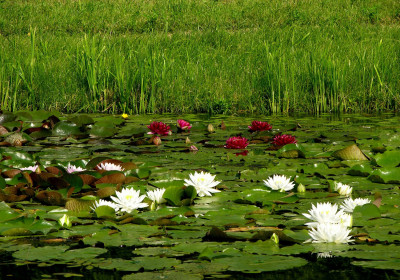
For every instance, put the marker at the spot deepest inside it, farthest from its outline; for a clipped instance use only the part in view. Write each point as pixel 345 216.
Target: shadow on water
pixel 326 268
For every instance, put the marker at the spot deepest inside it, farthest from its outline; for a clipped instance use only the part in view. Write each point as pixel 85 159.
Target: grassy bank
pixel 200 56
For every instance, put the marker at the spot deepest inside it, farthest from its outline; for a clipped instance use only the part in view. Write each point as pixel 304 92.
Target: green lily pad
pixel 351 152
pixel 291 151
pixel 386 175
pixel 388 159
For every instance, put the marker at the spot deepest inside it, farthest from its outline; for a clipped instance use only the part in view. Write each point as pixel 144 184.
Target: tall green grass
pixel 237 56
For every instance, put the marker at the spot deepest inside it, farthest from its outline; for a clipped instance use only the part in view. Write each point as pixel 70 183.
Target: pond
pixel 245 223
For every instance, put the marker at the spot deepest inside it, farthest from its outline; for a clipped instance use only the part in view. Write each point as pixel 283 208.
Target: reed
pixel 180 56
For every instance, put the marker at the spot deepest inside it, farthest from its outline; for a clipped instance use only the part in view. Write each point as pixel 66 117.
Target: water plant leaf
pixel 81 120
pixel 260 263
pixel 167 275
pixel 387 159
pixel 103 130
pixel 351 152
pixel 66 129
pixel 385 175
pixel 174 195
pixel 105 211
pixel 367 211
pixel 360 170
pixel 291 151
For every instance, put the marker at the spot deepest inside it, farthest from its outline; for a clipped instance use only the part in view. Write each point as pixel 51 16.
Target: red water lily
pixel 159 128
pixel 282 140
pixel 259 126
pixel 183 125
pixel 236 142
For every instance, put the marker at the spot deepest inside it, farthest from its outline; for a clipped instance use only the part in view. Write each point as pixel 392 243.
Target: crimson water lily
pixel 236 142
pixel 259 126
pixel 284 139
pixel 159 128
pixel 183 125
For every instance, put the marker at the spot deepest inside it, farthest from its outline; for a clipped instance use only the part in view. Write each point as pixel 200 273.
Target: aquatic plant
pixel 183 125
pixel 72 168
pixel 324 213
pixel 159 128
pixel 102 202
pixel 236 142
pixel 330 233
pixel 129 200
pixel 203 182
pixel 349 204
pixel 156 195
pixel 279 183
pixel 259 126
pixel 32 168
pixel 109 166
pixel 284 139
pixel 343 189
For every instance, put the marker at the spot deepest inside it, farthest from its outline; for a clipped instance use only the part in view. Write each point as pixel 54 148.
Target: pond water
pixel 245 230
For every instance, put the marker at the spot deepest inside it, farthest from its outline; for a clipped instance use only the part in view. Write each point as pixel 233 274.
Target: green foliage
pixel 219 57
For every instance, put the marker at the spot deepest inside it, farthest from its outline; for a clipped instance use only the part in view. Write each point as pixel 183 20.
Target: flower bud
pixel 193 148
pixel 187 141
pixel 210 128
pixel 65 221
pixel 157 141
pixel 301 188
pixel 275 238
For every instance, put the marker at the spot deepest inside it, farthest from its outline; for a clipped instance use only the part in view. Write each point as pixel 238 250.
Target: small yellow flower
pixel 125 116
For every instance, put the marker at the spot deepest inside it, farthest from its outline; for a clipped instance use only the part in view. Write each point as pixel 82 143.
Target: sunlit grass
pixel 200 56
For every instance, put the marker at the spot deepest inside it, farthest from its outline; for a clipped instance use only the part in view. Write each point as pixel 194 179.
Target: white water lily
pixel 32 168
pixel 346 220
pixel 103 202
pixel 203 182
pixel 330 233
pixel 279 183
pixel 129 199
pixel 109 166
pixel 349 204
pixel 324 255
pixel 323 213
pixel 156 196
pixel 72 168
pixel 343 189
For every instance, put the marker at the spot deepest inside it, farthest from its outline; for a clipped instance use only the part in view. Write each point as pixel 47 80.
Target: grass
pixel 179 56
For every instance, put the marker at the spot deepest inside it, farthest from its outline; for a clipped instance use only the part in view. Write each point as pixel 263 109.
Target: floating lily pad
pixel 351 152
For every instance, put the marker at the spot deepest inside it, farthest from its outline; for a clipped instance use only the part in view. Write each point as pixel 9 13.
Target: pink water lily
pixel 159 128
pixel 183 125
pixel 259 126
pixel 236 142
pixel 284 139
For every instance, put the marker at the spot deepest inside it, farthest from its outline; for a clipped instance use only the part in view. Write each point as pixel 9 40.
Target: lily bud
pixel 187 141
pixel 193 148
pixel 275 238
pixel 301 188
pixel 65 221
pixel 157 141
pixel 210 128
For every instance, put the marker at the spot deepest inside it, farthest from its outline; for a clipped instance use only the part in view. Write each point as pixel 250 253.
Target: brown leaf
pixel 54 170
pixel 378 199
pixel 58 183
pixel 115 178
pixel 50 198
pixel 128 165
pixel 11 173
pixel 87 179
